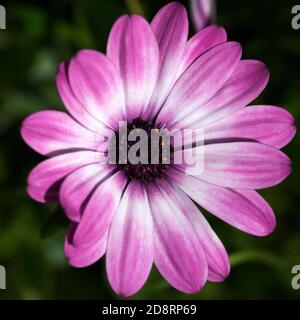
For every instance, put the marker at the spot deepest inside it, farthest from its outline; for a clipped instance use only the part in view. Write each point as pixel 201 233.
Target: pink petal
pixel 133 48
pixel 203 12
pixel 45 179
pixel 76 109
pixel 100 210
pixel 178 253
pixel 81 257
pixel 200 82
pixel 199 44
pixel 243 209
pixel 170 26
pixel 96 83
pixel 78 186
pixel 54 131
pixel 241 165
pixel 245 84
pixel 267 124
pixel 130 244
pixel 217 257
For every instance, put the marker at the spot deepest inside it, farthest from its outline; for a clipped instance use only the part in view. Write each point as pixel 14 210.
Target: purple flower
pixel 203 13
pixel 152 76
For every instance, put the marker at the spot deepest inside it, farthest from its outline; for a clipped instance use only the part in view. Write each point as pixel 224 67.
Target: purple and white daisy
pixel 153 77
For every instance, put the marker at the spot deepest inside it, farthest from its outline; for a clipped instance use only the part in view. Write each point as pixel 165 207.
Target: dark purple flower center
pixel 145 170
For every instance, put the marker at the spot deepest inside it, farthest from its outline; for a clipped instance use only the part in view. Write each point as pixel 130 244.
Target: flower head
pixel 153 77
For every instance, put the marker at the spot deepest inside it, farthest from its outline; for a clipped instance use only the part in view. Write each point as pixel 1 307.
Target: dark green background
pixel 39 35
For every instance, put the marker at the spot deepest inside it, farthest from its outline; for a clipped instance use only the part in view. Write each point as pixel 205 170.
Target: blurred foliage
pixel 39 35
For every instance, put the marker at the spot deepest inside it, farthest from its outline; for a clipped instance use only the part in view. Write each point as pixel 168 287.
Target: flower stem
pixel 255 256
